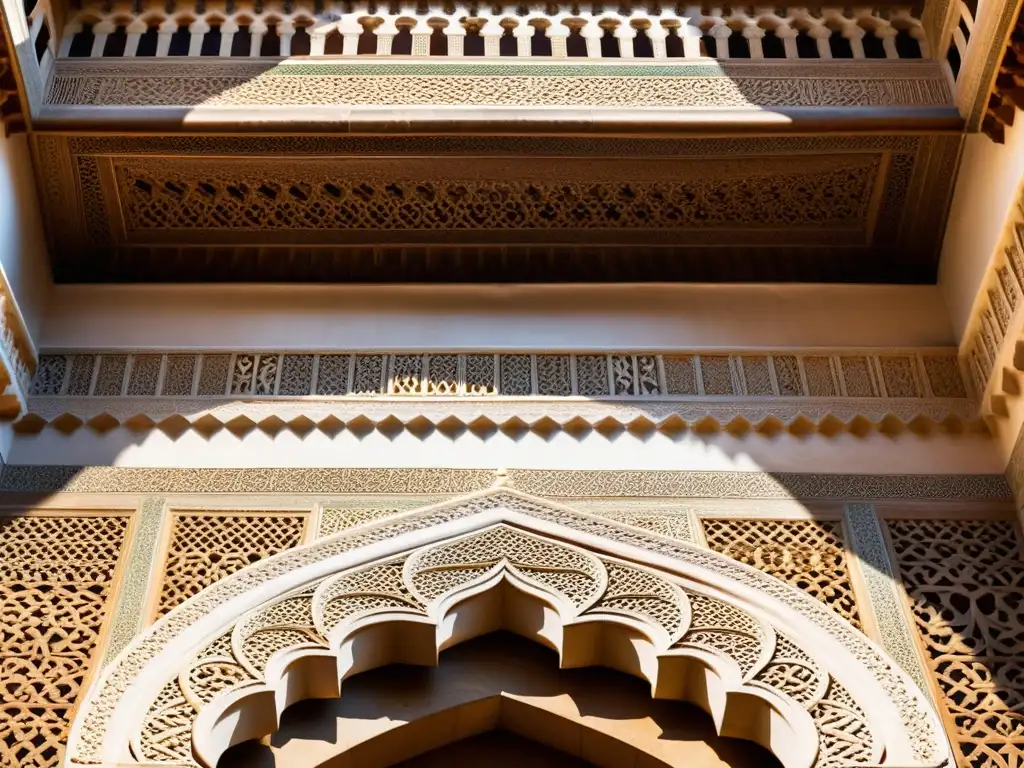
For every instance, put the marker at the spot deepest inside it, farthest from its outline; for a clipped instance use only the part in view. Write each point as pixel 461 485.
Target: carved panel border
pixel 174 82
pixel 583 484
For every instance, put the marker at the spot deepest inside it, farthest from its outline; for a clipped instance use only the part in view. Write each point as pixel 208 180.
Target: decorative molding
pixel 883 596
pixel 39 479
pixel 755 485
pixel 581 484
pixel 158 226
pixel 127 618
pixel 802 391
pixel 96 731
pixel 734 85
pixel 554 32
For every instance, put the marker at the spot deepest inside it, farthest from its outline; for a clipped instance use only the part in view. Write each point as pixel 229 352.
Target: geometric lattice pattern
pixel 807 554
pixel 965 580
pixel 55 577
pixel 206 547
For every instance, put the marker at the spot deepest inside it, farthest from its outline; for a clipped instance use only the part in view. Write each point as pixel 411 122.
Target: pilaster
pixel 127 617
pixel 882 596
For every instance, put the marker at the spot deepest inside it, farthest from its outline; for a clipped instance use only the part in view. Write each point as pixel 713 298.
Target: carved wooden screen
pixel 56 574
pixel 808 554
pixel 965 581
pixel 205 547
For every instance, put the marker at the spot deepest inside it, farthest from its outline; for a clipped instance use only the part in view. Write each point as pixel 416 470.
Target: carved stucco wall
pixel 838 558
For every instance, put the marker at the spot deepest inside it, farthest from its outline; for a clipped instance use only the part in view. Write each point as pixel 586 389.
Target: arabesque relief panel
pixel 57 573
pixel 965 582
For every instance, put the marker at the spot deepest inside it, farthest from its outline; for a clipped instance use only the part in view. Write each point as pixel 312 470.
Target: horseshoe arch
pixel 766 661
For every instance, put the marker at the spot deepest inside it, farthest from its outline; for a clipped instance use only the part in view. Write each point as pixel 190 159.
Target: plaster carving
pixel 996 324
pixel 128 616
pixel 206 547
pixel 572 484
pixel 965 580
pixel 890 391
pixel 219 197
pixel 882 591
pixel 809 554
pixel 56 575
pixel 224 83
pixel 890 186
pixel 897 374
pixel 336 601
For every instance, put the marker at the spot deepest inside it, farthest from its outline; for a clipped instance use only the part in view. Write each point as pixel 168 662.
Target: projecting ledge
pixel 488 120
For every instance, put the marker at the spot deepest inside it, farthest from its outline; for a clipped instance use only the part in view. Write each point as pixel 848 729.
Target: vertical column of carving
pixel 881 596
pixel 127 618
pixel 206 547
pixel 523 35
pixel 456 35
pixel 55 579
pixel 965 581
pixel 558 34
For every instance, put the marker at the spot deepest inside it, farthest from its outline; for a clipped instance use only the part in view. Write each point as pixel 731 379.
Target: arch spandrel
pixel 766 661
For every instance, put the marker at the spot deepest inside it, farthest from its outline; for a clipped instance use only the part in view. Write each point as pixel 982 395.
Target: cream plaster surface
pixel 509 317
pixel 986 191
pixel 23 254
pixel 875 454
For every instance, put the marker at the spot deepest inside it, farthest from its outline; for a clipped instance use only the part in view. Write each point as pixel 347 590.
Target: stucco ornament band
pixel 765 660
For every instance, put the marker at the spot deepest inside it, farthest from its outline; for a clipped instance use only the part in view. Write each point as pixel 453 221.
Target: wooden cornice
pixel 1007 94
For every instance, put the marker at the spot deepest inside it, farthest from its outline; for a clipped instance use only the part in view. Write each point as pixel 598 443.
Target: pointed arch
pixel 766 661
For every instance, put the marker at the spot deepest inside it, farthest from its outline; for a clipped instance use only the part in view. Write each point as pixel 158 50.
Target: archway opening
pixel 494 690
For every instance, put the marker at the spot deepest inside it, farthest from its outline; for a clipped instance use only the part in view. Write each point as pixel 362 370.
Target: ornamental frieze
pixel 737 85
pixel 802 392
pixel 428 208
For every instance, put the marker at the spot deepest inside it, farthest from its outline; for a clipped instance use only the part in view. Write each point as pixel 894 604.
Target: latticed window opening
pixel 449 30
